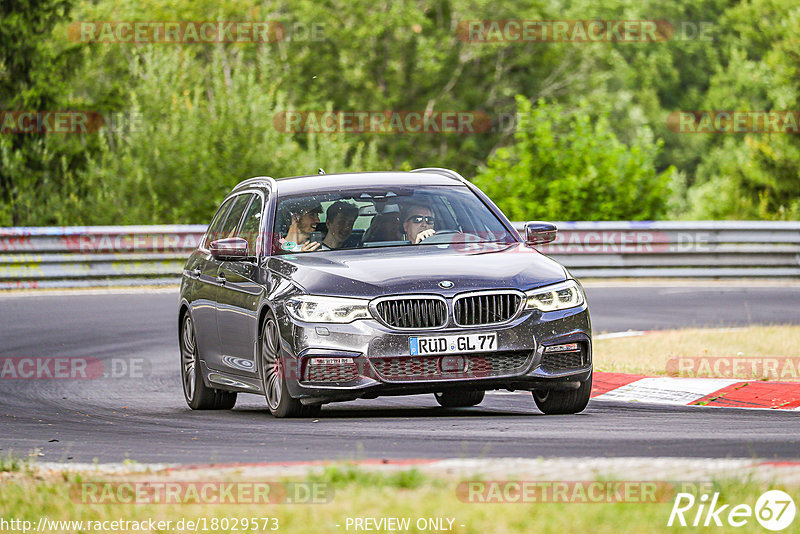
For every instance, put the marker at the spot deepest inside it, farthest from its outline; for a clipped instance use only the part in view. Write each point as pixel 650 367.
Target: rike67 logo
pixel 774 510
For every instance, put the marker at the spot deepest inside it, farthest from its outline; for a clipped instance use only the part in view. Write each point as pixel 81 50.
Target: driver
pixel 418 222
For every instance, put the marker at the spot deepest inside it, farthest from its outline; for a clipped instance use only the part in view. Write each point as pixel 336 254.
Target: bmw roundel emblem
pixel 446 284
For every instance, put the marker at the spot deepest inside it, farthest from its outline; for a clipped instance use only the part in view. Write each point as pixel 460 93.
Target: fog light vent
pixel 330 370
pixel 564 357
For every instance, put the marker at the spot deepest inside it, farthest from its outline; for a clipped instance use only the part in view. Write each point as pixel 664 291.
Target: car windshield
pixel 385 217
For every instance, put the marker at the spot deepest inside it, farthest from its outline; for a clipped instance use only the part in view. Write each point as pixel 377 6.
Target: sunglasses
pixel 416 219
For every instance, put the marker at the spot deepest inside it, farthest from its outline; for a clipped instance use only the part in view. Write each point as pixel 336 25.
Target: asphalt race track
pixel 145 418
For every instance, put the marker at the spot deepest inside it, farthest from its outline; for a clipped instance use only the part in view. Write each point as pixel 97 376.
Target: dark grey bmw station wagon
pixel 327 288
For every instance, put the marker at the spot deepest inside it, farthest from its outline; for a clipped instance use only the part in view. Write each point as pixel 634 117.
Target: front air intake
pixel 486 308
pixel 565 357
pixel 413 312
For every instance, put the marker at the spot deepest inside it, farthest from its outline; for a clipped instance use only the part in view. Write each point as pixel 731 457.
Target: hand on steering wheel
pixel 424 235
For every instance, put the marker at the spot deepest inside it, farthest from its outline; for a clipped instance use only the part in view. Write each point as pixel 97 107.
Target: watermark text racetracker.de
pixel 195 31
pixel 68 122
pixel 88 240
pixel 734 122
pixel 201 492
pixel 72 368
pixel 750 368
pixel 633 241
pixel 581 31
pixel 574 491
pixel 382 121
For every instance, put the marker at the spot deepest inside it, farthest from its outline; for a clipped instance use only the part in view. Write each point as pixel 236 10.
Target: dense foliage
pixel 569 165
pixel 578 130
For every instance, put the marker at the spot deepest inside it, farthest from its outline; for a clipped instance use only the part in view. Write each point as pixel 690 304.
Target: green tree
pixel 567 164
pixel 203 112
pixel 189 141
pixel 32 78
pixel 753 175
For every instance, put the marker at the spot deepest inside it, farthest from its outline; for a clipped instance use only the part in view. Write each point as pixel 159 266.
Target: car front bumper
pixel 376 359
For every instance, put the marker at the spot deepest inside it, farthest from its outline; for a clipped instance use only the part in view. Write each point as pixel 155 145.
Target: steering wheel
pixel 446 237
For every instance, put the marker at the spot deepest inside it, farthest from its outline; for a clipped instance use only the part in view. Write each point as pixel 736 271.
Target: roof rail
pixel 444 172
pixel 257 180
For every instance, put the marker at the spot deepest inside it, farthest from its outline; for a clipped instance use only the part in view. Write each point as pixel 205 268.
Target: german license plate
pixel 418 346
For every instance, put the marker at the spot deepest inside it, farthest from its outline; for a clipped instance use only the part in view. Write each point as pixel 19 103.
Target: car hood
pixel 419 269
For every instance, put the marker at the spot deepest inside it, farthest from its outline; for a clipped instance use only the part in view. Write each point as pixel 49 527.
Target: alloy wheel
pixel 271 364
pixel 188 358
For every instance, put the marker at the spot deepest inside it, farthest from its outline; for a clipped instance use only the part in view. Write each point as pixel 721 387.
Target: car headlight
pixel 319 309
pixel 559 296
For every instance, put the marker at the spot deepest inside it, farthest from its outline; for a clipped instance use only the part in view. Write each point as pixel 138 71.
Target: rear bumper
pixel 381 364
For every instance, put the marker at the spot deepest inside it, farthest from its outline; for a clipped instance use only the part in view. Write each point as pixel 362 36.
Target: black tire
pixel 198 396
pixel 459 399
pixel 557 402
pixel 273 376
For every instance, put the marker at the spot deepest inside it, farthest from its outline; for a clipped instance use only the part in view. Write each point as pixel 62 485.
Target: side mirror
pixel 539 233
pixel 231 249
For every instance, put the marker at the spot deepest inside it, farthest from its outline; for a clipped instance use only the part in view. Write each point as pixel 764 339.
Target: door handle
pixel 196 272
pixel 221 279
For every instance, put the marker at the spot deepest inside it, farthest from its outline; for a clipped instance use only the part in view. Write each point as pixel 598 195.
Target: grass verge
pixel 748 353
pixel 355 493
